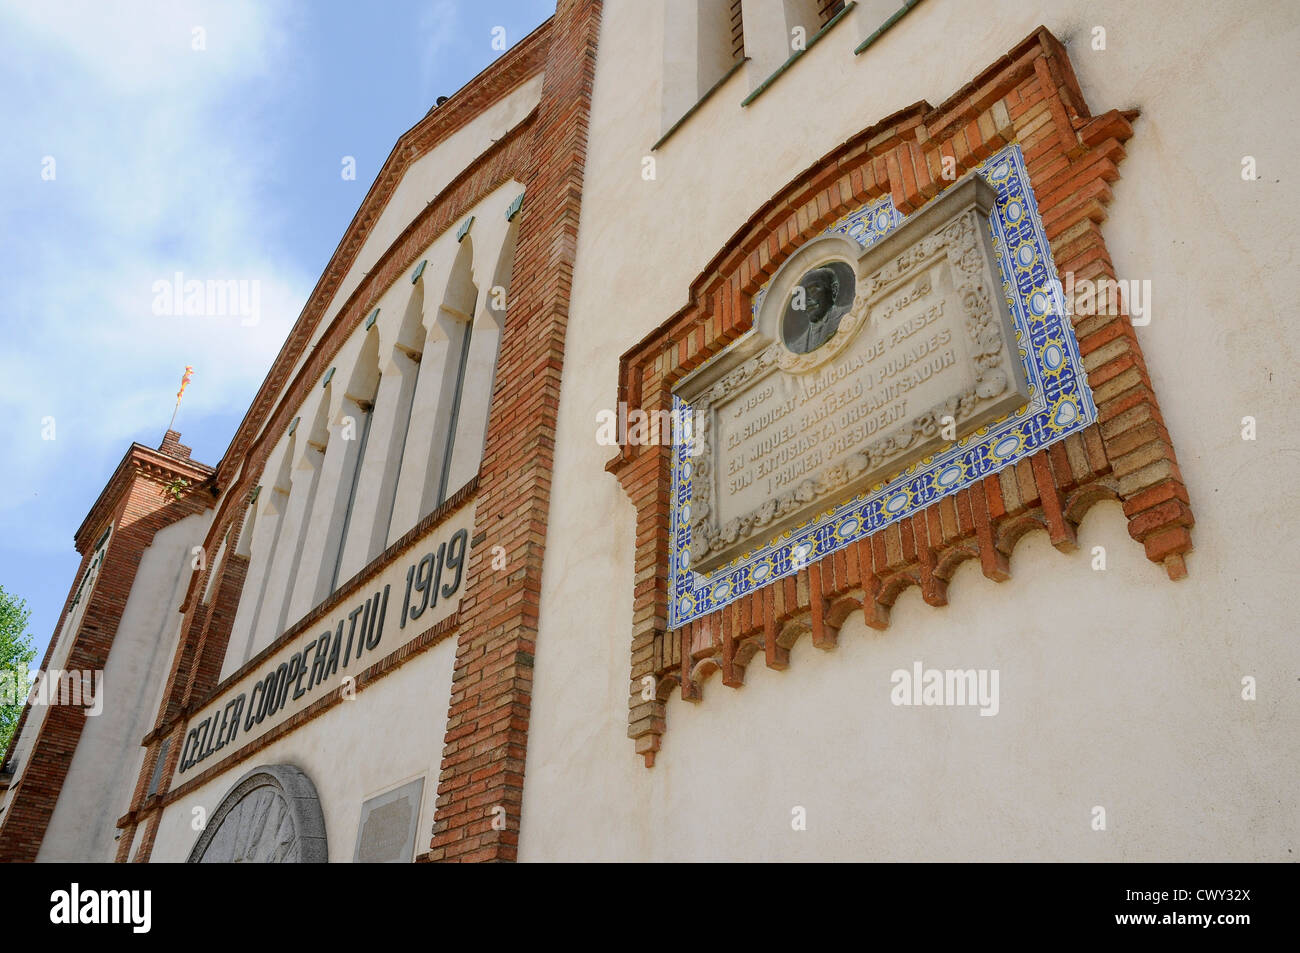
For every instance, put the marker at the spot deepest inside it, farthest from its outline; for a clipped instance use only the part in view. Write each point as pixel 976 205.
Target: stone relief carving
pixel 958 241
pixel 823 296
pixel 271 815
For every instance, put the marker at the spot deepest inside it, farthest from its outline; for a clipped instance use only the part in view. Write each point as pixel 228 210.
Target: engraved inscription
pixel 788 433
pixel 791 425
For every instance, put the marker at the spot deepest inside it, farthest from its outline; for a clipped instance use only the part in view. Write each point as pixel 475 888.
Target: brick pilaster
pixel 139 503
pixel 487 726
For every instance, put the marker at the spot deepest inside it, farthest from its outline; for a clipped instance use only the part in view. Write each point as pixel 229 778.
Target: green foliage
pixel 16 655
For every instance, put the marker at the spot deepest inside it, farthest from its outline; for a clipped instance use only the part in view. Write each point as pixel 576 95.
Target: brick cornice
pixel 514 68
pixel 505 160
pixel 267 419
pixel 346 590
pixel 140 508
pixel 508 158
pixel 1029 96
pixel 145 462
pixel 108 508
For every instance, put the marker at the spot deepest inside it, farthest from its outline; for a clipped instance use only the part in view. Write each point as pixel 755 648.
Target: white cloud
pixel 159 169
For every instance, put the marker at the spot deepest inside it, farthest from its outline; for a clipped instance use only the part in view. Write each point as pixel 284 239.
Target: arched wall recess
pixel 264 545
pixel 354 422
pixel 372 516
pixel 271 815
pixel 293 588
pixel 479 376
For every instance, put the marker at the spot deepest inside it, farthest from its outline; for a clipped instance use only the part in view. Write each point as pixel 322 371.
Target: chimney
pixel 172 446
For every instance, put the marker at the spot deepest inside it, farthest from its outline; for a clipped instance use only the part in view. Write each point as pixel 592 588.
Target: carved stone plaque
pixel 386 834
pixel 838 388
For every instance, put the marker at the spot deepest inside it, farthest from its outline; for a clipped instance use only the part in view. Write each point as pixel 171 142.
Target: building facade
pixel 739 429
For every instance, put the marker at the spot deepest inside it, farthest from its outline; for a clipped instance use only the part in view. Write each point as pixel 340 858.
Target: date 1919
pixel 424 579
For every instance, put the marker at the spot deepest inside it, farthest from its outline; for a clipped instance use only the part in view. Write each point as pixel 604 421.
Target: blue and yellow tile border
pixel 1060 404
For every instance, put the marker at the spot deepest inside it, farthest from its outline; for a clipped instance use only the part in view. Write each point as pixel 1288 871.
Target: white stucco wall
pixel 102 776
pixel 419 460
pixel 22 745
pixel 428 176
pixel 367 625
pixel 1119 689
pixel 353 756
pixel 354 751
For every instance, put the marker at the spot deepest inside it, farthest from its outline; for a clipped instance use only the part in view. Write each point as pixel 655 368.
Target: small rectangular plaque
pixel 386 832
pixel 860 363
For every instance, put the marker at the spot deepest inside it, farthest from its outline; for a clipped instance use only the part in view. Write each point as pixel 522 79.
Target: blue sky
pixel 222 163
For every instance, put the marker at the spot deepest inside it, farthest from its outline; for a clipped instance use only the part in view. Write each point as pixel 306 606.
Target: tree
pixel 16 655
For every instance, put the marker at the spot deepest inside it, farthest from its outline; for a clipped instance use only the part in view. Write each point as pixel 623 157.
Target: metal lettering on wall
pixel 826 422
pixel 429 588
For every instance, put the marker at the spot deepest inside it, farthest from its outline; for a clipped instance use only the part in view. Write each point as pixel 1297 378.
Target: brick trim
pixel 1029 96
pixel 197 701
pixel 86 557
pixel 183 699
pixel 138 504
pixel 513 69
pixel 487 721
pixel 218 617
pixel 505 160
pixel 270 415
pixel 394 660
pixel 138 460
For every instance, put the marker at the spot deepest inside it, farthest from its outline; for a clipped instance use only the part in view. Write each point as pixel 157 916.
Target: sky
pixel 208 138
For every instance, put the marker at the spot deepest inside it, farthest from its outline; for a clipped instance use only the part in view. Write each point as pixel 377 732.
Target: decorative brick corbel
pixel 1030 97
